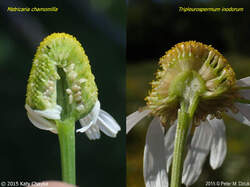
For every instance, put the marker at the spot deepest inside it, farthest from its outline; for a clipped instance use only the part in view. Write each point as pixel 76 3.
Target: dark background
pixel 153 27
pixel 30 154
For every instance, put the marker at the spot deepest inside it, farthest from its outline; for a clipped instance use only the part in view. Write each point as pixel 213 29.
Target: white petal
pixel 84 127
pixel 134 118
pixel 245 82
pixel 89 135
pixel 35 122
pixel 90 118
pixel 93 133
pixel 199 149
pixel 58 107
pixel 96 131
pixel 239 117
pixel 219 145
pixel 39 121
pixel 169 144
pixel 244 109
pixel 154 157
pixel 245 93
pixel 107 124
pixel 51 113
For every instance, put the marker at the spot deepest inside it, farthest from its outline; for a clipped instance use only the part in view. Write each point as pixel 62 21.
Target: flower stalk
pixel 180 142
pixel 66 134
pixel 188 86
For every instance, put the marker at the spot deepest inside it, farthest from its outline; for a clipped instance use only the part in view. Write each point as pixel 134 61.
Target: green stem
pixel 66 133
pixel 185 116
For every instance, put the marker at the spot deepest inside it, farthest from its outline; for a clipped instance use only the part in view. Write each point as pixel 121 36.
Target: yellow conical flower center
pixel 61 75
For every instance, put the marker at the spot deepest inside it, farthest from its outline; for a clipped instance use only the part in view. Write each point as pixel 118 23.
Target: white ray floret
pixel 134 118
pixel 218 145
pixel 37 118
pixel 198 151
pixel 51 113
pixel 169 144
pixel 98 120
pixel 89 119
pixel 154 156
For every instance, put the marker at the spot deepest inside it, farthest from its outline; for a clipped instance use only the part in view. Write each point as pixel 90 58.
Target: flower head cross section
pixel 61 86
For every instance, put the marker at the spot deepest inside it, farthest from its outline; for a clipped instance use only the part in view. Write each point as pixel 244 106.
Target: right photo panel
pixel 188 93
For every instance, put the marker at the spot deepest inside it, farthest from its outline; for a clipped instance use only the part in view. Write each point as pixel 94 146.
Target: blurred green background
pixel 29 154
pixel 153 27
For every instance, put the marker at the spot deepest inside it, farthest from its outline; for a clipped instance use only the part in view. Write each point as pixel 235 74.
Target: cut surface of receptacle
pixel 61 77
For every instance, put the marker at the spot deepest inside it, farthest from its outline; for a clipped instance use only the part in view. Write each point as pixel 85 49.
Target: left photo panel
pixel 62 71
